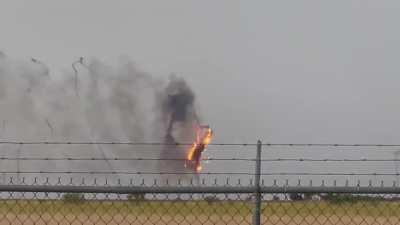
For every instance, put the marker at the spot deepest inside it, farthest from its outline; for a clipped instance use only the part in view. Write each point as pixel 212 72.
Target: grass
pixel 318 208
pixel 123 207
pixel 199 207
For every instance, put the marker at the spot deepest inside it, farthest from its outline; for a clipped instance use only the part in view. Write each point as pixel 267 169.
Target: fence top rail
pixel 125 189
pixel 26 172
pixel 198 189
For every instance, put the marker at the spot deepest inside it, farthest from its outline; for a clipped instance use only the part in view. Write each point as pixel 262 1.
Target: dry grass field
pixel 195 212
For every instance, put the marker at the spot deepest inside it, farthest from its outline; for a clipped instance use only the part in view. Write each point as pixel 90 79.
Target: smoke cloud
pixel 177 102
pixel 92 101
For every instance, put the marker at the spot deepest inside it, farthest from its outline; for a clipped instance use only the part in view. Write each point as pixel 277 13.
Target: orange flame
pixel 207 138
pixel 200 140
pixel 191 151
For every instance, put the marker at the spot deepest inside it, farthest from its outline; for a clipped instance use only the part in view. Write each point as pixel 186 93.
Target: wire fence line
pixel 205 159
pixel 223 160
pixel 329 145
pixel 118 159
pixel 88 201
pixel 263 159
pixel 198 173
pixel 69 204
pixel 117 143
pixel 126 172
pixel 215 182
pixel 143 182
pixel 230 189
pixel 190 143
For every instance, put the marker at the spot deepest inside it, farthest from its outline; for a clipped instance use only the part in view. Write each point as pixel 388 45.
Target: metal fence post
pixel 257 208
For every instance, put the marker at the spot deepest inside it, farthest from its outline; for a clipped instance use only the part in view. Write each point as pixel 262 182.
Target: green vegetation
pixel 73 197
pixel 100 207
pixel 136 197
pixel 211 199
pixel 350 198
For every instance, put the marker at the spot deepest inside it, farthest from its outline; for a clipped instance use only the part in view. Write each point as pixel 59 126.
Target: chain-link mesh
pixel 330 208
pixel 284 184
pixel 59 203
pixel 103 208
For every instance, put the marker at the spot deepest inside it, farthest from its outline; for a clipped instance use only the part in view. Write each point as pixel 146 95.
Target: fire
pixel 208 137
pixel 203 138
pixel 191 151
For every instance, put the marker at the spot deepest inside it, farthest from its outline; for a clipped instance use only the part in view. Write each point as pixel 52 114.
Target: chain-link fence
pixel 55 204
pixel 242 187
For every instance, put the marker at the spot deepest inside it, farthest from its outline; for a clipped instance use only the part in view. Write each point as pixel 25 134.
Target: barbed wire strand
pixel 330 174
pixel 125 173
pixel 190 143
pixel 203 159
pixel 118 159
pixel 114 143
pixel 328 160
pixel 201 173
pixel 329 145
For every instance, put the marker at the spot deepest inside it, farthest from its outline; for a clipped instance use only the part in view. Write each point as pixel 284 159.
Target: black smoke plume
pixel 179 117
pixel 178 104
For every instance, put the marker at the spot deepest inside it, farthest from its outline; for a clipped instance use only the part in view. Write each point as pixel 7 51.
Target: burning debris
pixel 180 114
pixel 203 138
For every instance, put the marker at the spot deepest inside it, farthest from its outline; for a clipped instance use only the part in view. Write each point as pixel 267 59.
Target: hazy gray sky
pixel 283 71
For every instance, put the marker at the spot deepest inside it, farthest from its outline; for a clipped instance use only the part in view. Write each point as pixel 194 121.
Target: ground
pixel 195 212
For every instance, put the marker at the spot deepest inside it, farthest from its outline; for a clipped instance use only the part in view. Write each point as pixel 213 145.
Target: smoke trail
pixel 98 103
pixel 177 104
pixel 178 113
pixel 76 78
pixel 50 126
pixel 46 70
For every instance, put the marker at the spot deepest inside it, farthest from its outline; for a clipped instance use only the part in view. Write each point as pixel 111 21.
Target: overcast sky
pixel 282 71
